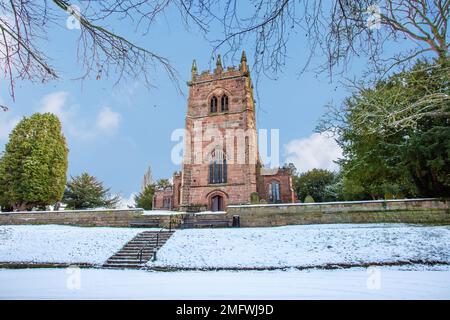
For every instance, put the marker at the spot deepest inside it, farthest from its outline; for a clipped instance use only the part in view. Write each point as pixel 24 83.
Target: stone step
pixel 149 239
pixel 137 249
pixel 133 256
pixel 139 246
pixel 122 266
pixel 156 232
pixel 131 253
pixel 147 242
pixel 130 256
pixel 144 243
pixel 123 261
pixel 131 261
pixel 165 234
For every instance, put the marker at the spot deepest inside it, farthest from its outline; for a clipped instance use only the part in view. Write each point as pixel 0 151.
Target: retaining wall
pixel 432 211
pixel 85 218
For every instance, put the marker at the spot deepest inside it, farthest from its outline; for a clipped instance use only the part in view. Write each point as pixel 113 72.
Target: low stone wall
pixel 85 218
pixel 432 211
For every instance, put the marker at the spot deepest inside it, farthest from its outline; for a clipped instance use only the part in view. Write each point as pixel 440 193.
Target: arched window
pixel 213 104
pixel 274 192
pixel 217 167
pixel 224 103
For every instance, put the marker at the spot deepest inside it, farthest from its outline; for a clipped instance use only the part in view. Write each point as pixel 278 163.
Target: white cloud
pixel 7 123
pixel 54 103
pixel 107 121
pixel 315 151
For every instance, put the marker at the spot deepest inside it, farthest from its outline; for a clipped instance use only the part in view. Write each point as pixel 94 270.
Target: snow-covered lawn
pixel 309 245
pixel 62 244
pixel 383 283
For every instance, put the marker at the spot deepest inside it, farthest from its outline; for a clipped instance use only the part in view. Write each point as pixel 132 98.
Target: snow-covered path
pixel 381 283
pixel 306 245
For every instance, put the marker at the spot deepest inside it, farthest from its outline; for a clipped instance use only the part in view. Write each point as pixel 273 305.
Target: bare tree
pixel 148 179
pixel 398 104
pixel 339 29
pixel 25 23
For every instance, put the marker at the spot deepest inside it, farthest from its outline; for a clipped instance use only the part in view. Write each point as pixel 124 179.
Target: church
pixel 221 163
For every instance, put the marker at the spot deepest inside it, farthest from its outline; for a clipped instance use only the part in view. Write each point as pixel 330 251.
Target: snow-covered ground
pixel 381 283
pixel 292 246
pixel 62 244
pixel 309 245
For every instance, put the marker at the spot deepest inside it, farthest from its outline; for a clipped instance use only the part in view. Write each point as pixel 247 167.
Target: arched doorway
pixel 217 203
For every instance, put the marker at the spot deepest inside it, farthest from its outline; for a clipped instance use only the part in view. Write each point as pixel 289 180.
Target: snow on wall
pixel 308 245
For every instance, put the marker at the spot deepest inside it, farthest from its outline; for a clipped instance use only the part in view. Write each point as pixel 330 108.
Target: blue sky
pixel 116 131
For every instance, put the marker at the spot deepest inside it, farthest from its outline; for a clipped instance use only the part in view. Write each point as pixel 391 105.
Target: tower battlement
pixel 219 73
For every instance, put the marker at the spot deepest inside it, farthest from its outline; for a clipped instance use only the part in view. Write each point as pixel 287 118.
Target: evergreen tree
pixel 85 191
pixel 33 167
pixel 163 184
pixel 395 137
pixel 144 199
pixel 315 183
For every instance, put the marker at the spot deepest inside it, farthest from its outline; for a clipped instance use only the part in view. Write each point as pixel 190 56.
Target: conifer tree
pixel 85 192
pixel 34 164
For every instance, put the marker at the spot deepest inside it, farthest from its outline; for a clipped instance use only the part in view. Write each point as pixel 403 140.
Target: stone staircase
pixel 128 256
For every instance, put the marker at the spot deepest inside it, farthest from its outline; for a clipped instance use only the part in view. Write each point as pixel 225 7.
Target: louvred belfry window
pixel 224 103
pixel 213 106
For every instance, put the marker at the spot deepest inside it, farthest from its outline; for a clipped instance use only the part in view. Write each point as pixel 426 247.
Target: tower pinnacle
pixel 243 66
pixel 219 67
pixel 194 68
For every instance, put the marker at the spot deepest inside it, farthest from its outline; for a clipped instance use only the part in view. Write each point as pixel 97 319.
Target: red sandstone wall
pixel 241 178
pixel 287 193
pixel 158 199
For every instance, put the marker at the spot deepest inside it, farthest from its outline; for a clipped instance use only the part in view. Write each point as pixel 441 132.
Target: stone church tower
pixel 221 164
pixel 221 157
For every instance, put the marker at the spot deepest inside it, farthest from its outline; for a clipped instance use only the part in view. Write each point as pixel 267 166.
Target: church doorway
pixel 217 203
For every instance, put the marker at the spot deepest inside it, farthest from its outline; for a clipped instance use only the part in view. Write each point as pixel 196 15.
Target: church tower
pixel 221 162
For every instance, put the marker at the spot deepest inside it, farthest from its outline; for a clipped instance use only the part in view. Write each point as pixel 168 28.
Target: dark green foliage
pixel 316 183
pixel 144 199
pixel 395 136
pixel 254 198
pixel 33 167
pixel 290 167
pixel 85 192
pixel 163 184
pixel 427 158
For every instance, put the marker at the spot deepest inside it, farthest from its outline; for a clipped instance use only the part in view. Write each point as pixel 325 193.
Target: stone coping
pixel 136 210
pixel 330 203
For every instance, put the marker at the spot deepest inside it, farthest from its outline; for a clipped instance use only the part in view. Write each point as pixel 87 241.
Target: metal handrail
pixel 141 251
